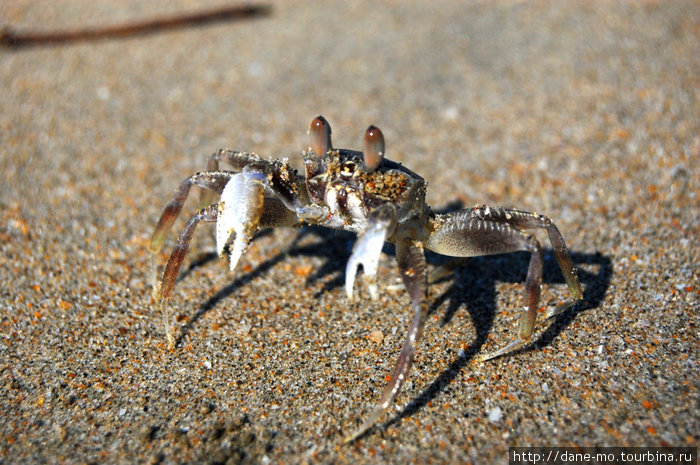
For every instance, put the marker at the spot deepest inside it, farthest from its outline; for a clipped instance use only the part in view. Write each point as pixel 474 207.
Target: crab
pixel 378 199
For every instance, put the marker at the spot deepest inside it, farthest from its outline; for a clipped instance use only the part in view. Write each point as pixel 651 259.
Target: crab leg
pixel 172 269
pixel 368 249
pixel 414 273
pixel 526 220
pixel 436 274
pixel 237 160
pixel 211 180
pixel 533 284
pixel 485 231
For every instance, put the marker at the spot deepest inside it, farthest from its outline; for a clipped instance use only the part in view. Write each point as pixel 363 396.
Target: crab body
pixel 339 181
pixel 376 198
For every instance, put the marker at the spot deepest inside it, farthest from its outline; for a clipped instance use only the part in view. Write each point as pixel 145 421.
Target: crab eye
pixel 373 153
pixel 319 136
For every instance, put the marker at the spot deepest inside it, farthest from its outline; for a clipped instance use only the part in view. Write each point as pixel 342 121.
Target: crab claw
pixel 366 253
pixel 368 248
pixel 373 152
pixel 320 136
pixel 240 209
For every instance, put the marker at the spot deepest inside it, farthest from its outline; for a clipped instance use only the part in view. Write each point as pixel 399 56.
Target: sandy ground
pixel 588 112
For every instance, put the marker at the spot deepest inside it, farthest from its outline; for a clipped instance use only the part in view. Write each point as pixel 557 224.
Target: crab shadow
pixel 329 244
pixel 472 286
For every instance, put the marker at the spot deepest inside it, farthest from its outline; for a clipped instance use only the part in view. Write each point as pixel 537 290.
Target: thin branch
pixel 12 39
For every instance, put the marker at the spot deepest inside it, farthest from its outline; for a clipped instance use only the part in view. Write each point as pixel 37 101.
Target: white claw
pixel 366 252
pixel 239 214
pixel 239 246
pixel 350 272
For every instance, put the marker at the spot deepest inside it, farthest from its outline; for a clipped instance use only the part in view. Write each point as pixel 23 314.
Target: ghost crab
pixel 378 199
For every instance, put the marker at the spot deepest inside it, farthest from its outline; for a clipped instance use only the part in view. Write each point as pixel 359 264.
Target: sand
pixel 587 112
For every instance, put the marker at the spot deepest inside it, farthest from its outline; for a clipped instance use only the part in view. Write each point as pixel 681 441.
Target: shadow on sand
pixel 473 286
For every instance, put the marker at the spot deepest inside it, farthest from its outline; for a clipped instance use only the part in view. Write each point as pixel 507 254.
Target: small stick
pixel 12 39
